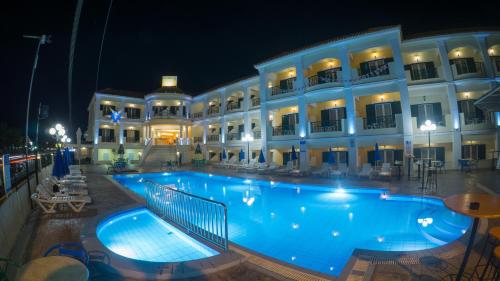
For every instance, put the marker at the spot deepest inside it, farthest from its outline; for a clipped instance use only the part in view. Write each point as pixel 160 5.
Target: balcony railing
pixel 330 77
pixel 465 69
pixel 213 110
pixel 233 106
pixel 476 121
pixel 132 140
pixel 381 122
pixel 233 136
pixel 257 134
pixel 326 126
pixel 197 139
pixel 108 139
pixel 255 102
pixel 276 90
pixel 422 71
pixel 283 131
pixel 213 138
pixel 197 114
pixel 166 115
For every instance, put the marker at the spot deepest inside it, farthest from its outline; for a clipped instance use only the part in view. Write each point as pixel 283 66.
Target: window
pixel 422 70
pixel 434 153
pixel 107 109
pixel 386 156
pixel 381 115
pixel 428 111
pixel 107 135
pixel 331 116
pixel 370 67
pixel 474 151
pixel 287 84
pixel 340 156
pixel 133 113
pixel 464 65
pixel 472 114
pixel 287 156
pixel 288 121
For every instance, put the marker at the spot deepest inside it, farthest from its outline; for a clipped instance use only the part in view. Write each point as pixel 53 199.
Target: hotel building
pixel 347 93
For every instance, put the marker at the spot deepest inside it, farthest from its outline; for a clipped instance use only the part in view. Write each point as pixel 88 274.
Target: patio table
pixel 476 206
pixel 54 268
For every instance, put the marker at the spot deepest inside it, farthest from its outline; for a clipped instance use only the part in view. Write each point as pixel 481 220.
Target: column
pixel 445 62
pixel 483 49
pixel 349 98
pixel 181 134
pixel 97 117
pixel 246 106
pixel 263 112
pixel 205 107
pixel 120 132
pixel 302 110
pixel 188 109
pixel 455 117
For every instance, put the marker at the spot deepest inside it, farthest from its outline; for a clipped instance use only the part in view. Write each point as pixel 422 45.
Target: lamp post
pixel 248 138
pixel 42 40
pixel 428 127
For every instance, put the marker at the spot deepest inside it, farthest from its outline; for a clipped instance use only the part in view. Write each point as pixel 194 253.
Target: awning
pixel 490 101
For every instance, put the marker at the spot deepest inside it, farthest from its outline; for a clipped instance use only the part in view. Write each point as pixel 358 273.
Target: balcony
pixel 443 123
pixel 284 131
pixel 255 102
pixel 495 61
pixel 233 136
pixel 422 73
pixel 197 139
pixel 388 124
pixel 257 135
pixel 466 69
pixel 214 110
pixel 197 115
pixel 234 106
pixel 286 86
pixel 381 72
pixel 107 139
pixel 471 124
pixel 333 78
pixel 132 140
pixel 330 128
pixel 213 138
pixel 167 115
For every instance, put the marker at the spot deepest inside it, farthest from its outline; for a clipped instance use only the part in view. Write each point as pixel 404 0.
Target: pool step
pixel 444 227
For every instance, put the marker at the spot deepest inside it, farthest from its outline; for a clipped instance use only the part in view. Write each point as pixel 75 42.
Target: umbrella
pixel 224 156
pixel 58 167
pixel 376 153
pixel 121 150
pixel 241 155
pixel 261 157
pixel 198 149
pixel 67 157
pixel 331 157
pixel 65 162
pixel 294 155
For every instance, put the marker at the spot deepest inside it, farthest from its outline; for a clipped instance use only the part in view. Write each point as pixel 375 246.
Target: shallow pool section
pixel 317 227
pixel 141 235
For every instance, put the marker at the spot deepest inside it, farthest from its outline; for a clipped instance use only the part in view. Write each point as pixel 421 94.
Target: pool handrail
pixel 215 231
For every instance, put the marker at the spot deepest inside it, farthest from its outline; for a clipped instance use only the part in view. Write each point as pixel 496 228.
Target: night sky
pixel 205 45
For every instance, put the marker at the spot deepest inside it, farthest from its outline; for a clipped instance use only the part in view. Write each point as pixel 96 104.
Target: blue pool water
pixel 139 234
pixel 317 227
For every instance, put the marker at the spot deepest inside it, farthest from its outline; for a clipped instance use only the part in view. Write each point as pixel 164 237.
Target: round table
pixel 54 268
pixel 489 208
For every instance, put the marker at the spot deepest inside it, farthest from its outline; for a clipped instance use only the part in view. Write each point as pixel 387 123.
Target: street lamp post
pixel 428 127
pixel 248 138
pixel 43 39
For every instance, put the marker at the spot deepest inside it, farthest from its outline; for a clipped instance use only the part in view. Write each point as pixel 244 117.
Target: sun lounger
pixel 286 169
pixel 366 170
pixel 385 170
pixel 48 187
pixel 324 170
pixel 341 170
pixel 67 183
pixel 48 204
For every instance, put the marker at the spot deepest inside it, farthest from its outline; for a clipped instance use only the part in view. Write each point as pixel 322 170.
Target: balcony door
pixel 382 114
pixel 371 67
pixel 421 70
pixel 288 121
pixel 332 116
pixel 464 65
pixel 472 114
pixel 427 111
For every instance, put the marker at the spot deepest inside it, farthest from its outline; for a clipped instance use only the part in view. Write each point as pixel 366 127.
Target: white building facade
pixel 347 94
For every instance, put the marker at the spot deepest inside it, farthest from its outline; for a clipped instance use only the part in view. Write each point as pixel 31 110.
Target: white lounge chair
pixel 324 170
pixel 385 170
pixel 269 169
pixel 48 204
pixel 286 169
pixel 47 191
pixel 341 170
pixel 366 170
pixel 67 183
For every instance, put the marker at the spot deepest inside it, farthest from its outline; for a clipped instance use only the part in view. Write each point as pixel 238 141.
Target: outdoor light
pixel 417 58
pixel 68 140
pixel 52 131
pixel 59 127
pixel 248 138
pixel 61 132
pixel 428 126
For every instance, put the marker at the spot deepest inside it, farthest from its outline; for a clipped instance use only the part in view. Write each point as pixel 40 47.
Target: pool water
pixel 317 227
pixel 139 234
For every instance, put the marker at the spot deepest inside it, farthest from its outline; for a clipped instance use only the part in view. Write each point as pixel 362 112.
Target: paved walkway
pixel 42 231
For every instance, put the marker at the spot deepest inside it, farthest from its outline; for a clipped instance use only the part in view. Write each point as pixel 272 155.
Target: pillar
pixel 483 50
pixel 455 117
pixel 445 62
pixel 246 105
pixel 264 118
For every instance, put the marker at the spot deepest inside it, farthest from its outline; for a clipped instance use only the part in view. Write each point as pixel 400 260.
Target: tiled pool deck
pixel 42 230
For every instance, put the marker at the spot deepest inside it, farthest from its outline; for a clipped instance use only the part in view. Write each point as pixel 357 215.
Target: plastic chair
pixel 69 249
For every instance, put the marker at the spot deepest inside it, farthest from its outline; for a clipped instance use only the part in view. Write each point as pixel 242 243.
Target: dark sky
pixel 205 43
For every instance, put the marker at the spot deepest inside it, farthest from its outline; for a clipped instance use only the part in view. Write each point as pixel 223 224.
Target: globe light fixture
pixel 59 127
pixel 59 133
pixel 52 131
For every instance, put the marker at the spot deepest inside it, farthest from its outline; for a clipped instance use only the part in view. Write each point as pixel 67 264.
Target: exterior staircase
pixel 154 155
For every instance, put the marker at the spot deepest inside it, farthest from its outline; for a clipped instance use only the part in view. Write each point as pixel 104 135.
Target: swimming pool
pixel 316 227
pixel 141 235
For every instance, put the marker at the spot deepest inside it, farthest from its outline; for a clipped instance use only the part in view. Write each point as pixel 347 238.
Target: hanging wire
pixel 102 43
pixel 74 33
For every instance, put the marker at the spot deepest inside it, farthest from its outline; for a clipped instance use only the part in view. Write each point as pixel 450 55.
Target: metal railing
pixel 211 138
pixel 255 102
pixel 233 136
pixel 283 131
pixel 326 126
pixel 197 114
pixel 380 122
pixel 197 139
pixel 213 110
pixel 204 218
pixel 257 135
pixel 233 106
